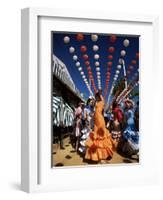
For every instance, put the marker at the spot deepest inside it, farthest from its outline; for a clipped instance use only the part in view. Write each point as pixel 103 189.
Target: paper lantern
pixel 80 68
pixel 109 64
pixel 77 64
pixel 111 49
pixel 94 37
pixel 98 73
pixel 113 38
pixel 114 78
pixel 119 66
pixel 97 69
pixel 121 61
pixel 85 57
pixel 71 49
pixel 97 63
pixel 83 48
pixel 87 63
pixel 66 39
pixel 96 56
pixel 126 42
pixel 75 57
pixel 83 76
pixel 95 48
pixel 89 68
pixel 81 72
pixel 131 67
pixel 110 57
pixel 117 72
pixel 133 62
pixel 79 37
pixel 123 53
pixel 128 72
pixel 137 55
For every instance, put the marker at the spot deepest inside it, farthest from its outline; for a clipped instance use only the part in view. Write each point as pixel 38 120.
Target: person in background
pixel 78 124
pixel 88 113
pixel 117 122
pixel 130 134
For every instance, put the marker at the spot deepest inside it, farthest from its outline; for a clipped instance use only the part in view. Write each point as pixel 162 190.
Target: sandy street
pixel 69 157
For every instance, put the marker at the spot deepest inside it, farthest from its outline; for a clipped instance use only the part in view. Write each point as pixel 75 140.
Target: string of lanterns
pixel 90 83
pixel 85 57
pixel 126 43
pixel 77 63
pixel 111 50
pixel 132 65
pixel 95 48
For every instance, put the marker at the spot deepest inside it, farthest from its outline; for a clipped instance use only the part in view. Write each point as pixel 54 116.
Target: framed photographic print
pixel 86 96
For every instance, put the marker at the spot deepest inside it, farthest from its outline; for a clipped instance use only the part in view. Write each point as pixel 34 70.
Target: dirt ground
pixel 69 157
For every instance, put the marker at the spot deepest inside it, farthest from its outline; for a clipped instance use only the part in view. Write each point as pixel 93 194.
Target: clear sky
pixel 61 50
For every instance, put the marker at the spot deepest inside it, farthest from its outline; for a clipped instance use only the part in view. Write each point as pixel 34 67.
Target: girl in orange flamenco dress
pixel 100 145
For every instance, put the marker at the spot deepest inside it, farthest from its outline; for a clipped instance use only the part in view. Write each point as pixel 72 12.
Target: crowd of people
pixel 99 132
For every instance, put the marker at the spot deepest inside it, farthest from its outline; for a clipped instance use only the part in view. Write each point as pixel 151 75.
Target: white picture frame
pixel 36 172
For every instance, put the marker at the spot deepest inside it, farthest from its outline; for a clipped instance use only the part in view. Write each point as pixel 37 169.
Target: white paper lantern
pixel 95 48
pixel 75 57
pixel 97 63
pixel 71 49
pixel 66 39
pixel 80 69
pixel 77 64
pixel 121 61
pixel 96 56
pixel 117 72
pixel 119 66
pixel 114 78
pixel 116 75
pixel 126 42
pixel 83 76
pixel 81 72
pixel 123 53
pixel 97 69
pixel 98 73
pixel 94 37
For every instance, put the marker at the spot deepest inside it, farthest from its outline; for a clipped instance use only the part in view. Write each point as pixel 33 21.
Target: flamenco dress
pixel 99 145
pixel 130 135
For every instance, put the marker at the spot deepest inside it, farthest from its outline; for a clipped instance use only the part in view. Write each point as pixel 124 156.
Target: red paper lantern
pixel 110 57
pixel 111 49
pixel 90 73
pixel 89 68
pixel 137 55
pixel 83 48
pixel 109 64
pixel 79 37
pixel 85 57
pixel 113 38
pixel 87 63
pixel 133 62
